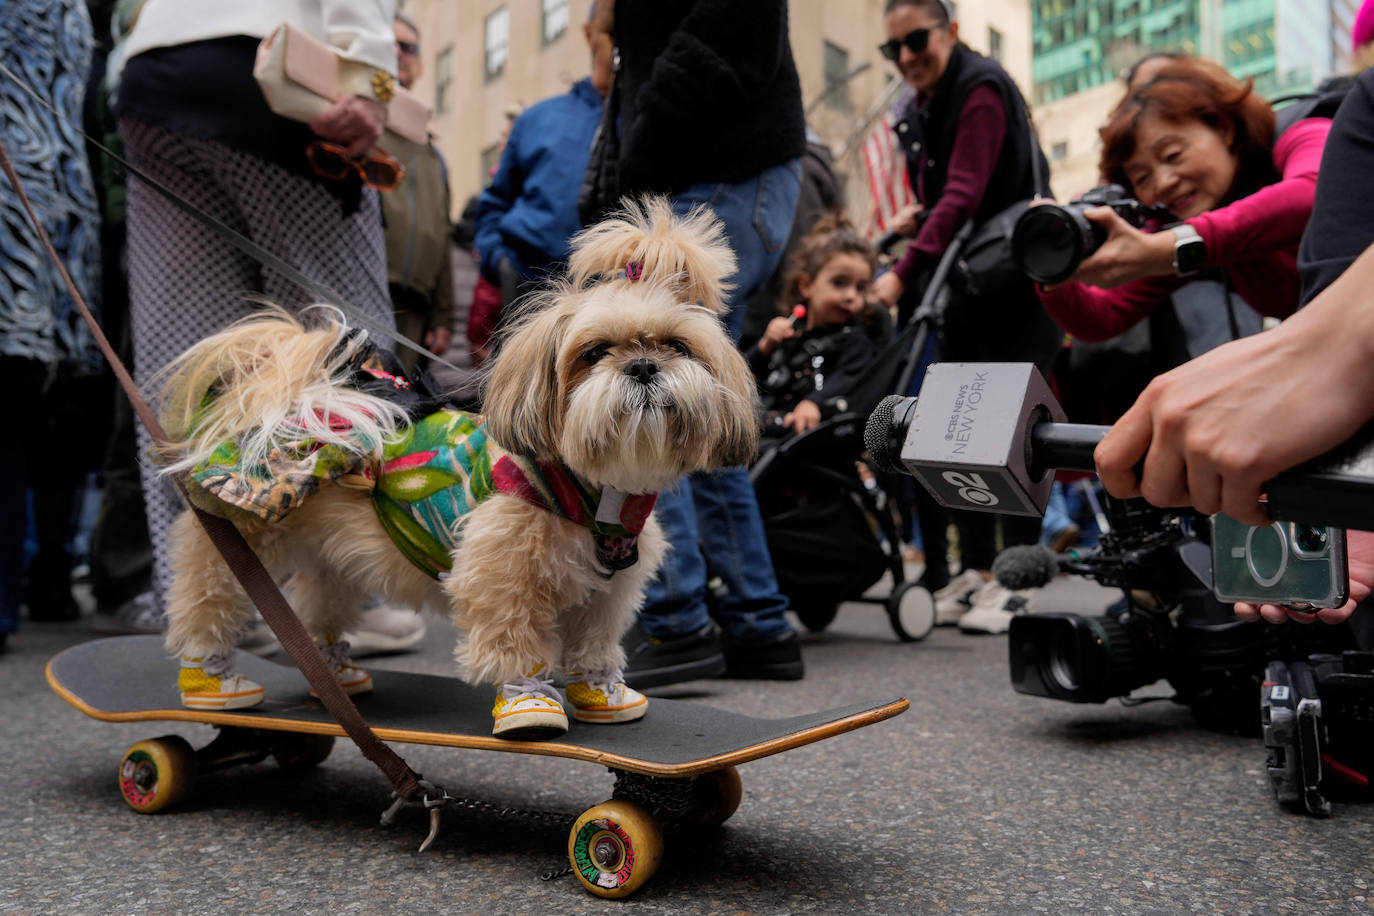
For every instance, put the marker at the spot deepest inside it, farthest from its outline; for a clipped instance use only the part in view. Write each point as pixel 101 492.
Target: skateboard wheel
pixel 911 611
pixel 614 848
pixel 715 796
pixel 157 773
pixel 301 752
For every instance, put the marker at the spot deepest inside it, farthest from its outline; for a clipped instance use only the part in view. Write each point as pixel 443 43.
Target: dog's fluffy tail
pixel 265 382
pixel 687 251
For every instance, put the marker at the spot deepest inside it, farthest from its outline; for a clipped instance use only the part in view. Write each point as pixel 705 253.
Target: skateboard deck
pixel 675 768
pixel 132 679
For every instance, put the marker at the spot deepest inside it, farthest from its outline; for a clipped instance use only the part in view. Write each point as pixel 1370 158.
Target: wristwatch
pixel 1190 251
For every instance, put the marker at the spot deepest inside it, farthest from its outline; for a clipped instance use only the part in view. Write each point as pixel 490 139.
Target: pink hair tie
pixel 634 270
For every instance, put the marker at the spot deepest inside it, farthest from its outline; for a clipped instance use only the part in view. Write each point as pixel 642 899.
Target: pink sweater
pixel 1255 239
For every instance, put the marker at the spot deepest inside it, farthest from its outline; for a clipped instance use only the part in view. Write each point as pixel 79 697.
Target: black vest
pixel 926 135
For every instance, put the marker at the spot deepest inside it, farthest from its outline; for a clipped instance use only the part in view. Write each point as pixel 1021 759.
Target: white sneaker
pixel 386 629
pixel 993 608
pixel 602 696
pixel 351 678
pixel 954 600
pixel 529 709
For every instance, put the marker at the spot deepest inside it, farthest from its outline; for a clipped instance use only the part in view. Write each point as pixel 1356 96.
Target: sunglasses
pixel 411 48
pixel 376 169
pixel 915 41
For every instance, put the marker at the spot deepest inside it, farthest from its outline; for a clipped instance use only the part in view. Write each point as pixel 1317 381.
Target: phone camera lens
pixel 1309 539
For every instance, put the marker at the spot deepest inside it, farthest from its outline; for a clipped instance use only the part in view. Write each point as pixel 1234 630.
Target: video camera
pixel 1167 626
pixel 1049 241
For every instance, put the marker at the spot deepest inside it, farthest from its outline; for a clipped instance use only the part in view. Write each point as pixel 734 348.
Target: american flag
pixel 888 186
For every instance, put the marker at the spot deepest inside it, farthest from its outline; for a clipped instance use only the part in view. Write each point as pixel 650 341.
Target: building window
pixel 1060 150
pixel 443 79
pixel 836 73
pixel 555 19
pixel 994 44
pixel 497 42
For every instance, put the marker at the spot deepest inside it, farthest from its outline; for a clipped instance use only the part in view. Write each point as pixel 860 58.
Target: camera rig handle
pixel 986 437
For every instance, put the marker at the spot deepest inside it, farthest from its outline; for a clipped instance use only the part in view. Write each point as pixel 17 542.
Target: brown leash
pixel 410 788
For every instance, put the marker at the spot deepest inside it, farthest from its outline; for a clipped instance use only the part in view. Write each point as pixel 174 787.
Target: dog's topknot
pixel 689 252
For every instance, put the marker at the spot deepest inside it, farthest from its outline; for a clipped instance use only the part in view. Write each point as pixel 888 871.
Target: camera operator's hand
pixel 778 330
pixel 1360 553
pixel 887 289
pixel 1213 431
pixel 806 415
pixel 1128 254
pixel 906 220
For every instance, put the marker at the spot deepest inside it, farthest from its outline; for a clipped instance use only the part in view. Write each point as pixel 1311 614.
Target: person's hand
pixel 806 415
pixel 353 122
pixel 887 289
pixel 778 330
pixel 437 340
pixel 1127 254
pixel 1360 550
pixel 1213 431
pixel 905 222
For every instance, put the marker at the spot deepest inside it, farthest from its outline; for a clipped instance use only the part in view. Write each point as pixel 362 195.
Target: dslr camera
pixel 1049 241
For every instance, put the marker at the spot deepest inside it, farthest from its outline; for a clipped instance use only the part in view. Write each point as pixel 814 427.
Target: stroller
pixel 829 525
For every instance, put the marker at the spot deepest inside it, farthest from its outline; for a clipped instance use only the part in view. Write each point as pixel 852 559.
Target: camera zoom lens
pixel 1046 244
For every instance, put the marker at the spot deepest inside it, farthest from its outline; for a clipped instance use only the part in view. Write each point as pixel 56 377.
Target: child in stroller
pixel 827 520
pixel 808 361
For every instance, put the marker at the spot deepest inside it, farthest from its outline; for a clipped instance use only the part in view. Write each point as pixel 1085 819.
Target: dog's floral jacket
pixel 426 482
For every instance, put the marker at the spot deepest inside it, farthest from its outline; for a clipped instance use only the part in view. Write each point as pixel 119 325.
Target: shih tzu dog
pixel 531 523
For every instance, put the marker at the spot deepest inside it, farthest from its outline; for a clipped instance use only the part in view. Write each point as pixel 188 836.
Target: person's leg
pixel 184 283
pixel 757 216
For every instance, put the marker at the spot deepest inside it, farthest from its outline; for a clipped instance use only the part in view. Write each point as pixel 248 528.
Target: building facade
pixel 486 59
pixel 1081 49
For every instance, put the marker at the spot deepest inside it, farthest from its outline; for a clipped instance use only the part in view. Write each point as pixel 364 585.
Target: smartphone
pixel 1281 563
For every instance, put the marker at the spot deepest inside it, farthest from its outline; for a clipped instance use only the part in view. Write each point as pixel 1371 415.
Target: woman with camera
pixel 970 155
pixel 1201 145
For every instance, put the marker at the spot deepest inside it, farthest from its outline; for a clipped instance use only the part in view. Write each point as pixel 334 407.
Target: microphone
pixel 985 436
pixel 1028 566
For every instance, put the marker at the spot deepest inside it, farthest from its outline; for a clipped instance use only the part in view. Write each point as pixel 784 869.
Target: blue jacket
pixel 529 211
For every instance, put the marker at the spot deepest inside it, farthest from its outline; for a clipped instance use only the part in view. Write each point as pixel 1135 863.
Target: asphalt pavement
pixel 977 800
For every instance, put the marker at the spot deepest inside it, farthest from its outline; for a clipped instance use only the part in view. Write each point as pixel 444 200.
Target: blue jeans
pixel 712 519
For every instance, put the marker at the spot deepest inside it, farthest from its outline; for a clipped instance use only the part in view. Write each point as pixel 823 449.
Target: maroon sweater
pixel 981 131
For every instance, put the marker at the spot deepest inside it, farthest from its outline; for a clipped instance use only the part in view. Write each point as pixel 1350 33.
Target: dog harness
pixel 428 480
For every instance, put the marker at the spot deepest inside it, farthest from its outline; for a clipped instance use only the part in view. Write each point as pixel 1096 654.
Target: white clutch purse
pixel 299 76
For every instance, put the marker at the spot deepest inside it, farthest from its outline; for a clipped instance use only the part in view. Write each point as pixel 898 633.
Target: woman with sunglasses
pixel 192 116
pixel 969 149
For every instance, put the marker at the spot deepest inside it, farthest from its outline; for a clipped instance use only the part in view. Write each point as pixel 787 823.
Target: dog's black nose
pixel 642 370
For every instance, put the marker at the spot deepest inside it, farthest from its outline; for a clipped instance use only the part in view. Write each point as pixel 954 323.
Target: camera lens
pixel 1049 241
pixel 1063 663
pixel 1309 539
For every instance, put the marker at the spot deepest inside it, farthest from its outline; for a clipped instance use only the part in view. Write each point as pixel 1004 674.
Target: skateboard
pixel 675 768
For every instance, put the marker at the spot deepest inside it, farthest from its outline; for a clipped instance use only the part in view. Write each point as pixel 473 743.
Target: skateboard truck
pixel 434 798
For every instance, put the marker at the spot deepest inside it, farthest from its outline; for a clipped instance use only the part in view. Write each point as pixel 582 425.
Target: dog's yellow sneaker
pixel 352 679
pixel 602 696
pixel 207 682
pixel 528 709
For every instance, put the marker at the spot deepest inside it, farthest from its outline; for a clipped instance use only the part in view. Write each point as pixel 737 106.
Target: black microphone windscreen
pixel 1031 566
pixel 878 434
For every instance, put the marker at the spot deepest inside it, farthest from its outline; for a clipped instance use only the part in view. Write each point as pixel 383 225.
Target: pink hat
pixel 1362 29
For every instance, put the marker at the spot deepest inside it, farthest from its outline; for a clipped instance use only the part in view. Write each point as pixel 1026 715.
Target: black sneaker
pixel 653 662
pixel 773 658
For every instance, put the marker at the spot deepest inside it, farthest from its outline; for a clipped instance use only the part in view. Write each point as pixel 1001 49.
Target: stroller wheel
pixel 816 617
pixel 911 610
